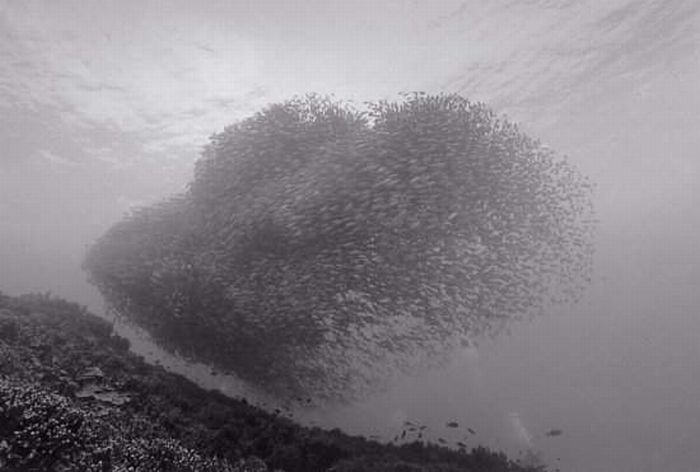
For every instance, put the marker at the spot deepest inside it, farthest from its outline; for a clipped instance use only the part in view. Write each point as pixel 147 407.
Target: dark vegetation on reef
pixel 73 398
pixel 319 249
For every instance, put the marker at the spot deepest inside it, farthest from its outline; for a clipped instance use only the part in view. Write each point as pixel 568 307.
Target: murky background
pixel 106 106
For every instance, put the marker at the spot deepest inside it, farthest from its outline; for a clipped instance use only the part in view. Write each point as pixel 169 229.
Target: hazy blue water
pixel 617 372
pixel 105 108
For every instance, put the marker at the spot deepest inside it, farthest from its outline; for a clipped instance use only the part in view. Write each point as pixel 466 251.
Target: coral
pixel 168 423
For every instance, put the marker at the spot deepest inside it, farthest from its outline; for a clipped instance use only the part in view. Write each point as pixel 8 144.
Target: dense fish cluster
pixel 319 248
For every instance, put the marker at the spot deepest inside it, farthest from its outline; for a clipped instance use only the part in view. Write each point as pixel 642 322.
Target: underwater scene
pixel 311 235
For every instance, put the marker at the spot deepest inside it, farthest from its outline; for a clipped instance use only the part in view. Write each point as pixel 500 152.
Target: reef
pixel 73 397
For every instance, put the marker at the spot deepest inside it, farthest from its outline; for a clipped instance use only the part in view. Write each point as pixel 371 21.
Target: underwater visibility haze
pixel 508 259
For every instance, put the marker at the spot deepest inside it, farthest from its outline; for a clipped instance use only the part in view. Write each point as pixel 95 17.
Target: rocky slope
pixel 73 397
